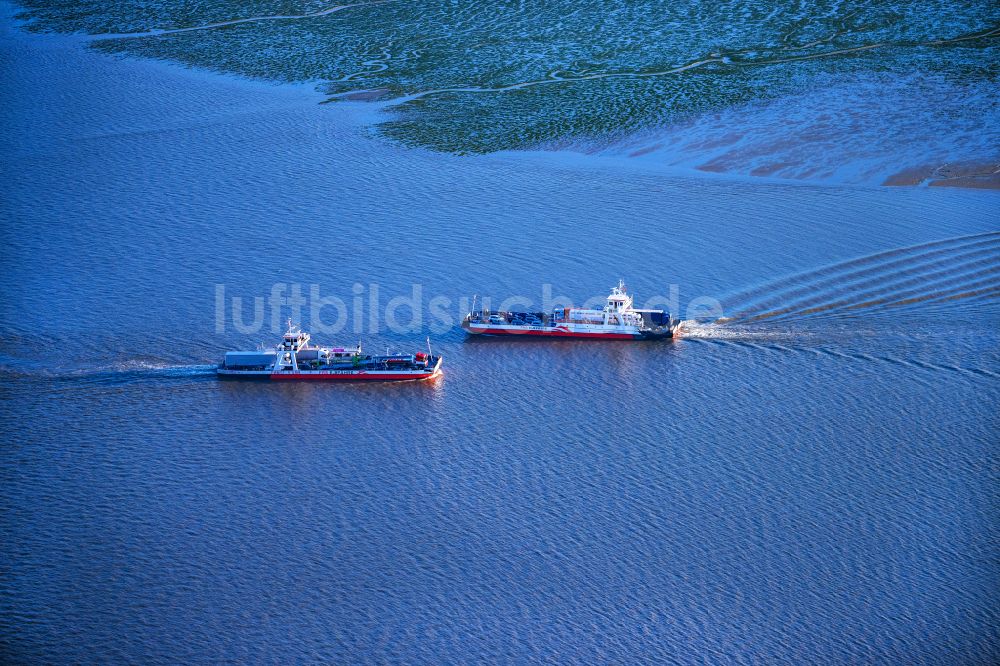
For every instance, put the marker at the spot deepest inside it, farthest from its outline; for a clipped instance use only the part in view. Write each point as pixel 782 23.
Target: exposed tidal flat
pixel 831 90
pixel 811 480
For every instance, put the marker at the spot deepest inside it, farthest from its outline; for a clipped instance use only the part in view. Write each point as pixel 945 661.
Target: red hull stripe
pixel 555 333
pixel 351 377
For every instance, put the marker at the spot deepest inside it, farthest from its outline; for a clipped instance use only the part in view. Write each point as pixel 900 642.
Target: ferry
pixel 617 320
pixel 295 358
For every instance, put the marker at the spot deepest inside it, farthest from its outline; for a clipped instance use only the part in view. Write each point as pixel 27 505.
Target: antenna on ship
pixel 429 347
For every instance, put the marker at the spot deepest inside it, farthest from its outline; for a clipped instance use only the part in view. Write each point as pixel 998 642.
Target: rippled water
pixel 810 480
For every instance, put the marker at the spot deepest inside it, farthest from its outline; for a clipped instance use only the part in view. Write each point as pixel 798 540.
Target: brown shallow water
pixel 974 175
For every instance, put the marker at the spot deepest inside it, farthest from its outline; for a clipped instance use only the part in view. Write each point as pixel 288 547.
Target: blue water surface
pixel 813 482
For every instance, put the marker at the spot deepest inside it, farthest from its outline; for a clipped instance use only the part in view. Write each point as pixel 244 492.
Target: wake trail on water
pixel 964 267
pixel 145 368
pixel 121 373
pixel 790 342
pixel 778 317
pixel 138 371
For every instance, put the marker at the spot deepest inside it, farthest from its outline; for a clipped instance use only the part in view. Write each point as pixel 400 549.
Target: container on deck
pixel 249 359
